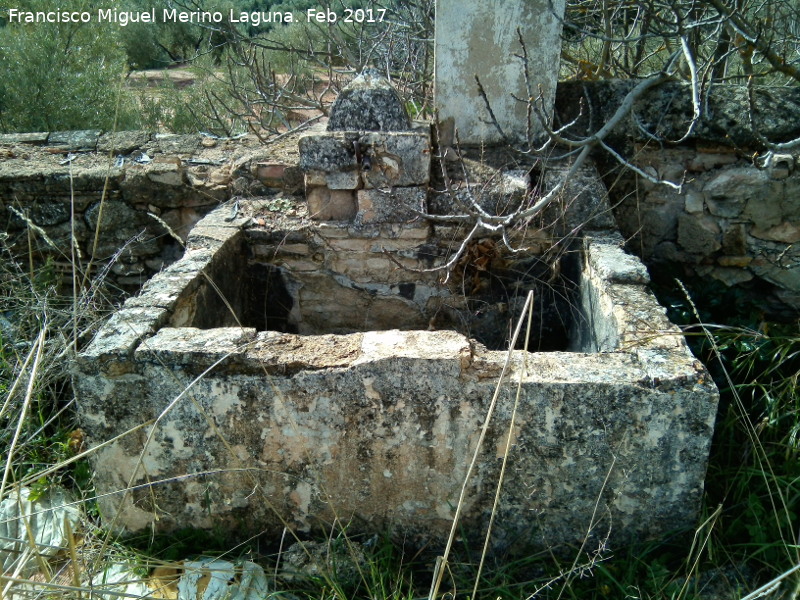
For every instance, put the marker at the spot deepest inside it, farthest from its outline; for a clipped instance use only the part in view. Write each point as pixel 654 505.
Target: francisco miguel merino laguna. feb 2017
pixel 173 15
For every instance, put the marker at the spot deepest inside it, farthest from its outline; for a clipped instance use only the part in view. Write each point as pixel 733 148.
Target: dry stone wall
pixel 736 216
pixel 733 221
pixel 122 197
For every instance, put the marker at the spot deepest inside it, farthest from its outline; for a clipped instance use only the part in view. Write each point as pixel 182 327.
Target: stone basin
pixel 205 416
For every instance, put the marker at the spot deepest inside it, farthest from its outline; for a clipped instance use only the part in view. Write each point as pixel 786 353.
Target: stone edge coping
pixel 232 350
pixel 138 332
pixel 90 140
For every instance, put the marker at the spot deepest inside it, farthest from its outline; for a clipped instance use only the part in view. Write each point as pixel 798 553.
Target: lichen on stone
pixel 369 103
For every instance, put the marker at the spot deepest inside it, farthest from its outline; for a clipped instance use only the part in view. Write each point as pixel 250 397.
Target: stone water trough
pixel 300 368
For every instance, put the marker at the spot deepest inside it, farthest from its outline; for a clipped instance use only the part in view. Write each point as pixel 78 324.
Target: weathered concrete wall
pixel 480 38
pixel 255 430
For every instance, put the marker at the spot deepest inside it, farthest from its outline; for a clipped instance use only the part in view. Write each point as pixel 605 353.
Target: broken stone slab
pixel 618 311
pixel 368 103
pixel 198 349
pixel 611 263
pixel 36 138
pixel 216 229
pixel 35 528
pixel 215 579
pixel 164 290
pixel 77 141
pixel 122 142
pixel 119 337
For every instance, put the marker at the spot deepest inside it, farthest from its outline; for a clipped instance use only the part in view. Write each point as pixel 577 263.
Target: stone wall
pixel 736 216
pixel 732 221
pixel 135 192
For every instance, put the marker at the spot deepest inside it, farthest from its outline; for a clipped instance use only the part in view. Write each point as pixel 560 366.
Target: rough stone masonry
pixel 250 429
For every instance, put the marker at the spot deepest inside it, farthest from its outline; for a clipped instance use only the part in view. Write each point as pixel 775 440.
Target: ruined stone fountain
pixel 303 368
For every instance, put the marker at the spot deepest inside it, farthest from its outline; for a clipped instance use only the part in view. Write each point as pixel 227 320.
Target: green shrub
pixel 60 76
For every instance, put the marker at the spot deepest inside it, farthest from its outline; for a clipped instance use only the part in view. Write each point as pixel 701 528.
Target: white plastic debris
pixel 32 530
pixel 214 579
pixel 119 581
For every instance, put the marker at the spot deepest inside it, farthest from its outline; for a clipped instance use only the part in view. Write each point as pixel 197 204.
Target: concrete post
pixel 480 38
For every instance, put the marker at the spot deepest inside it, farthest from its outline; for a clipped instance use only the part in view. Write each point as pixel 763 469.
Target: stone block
pixel 694 203
pixel 196 347
pixel 270 174
pixel 737 183
pixel 764 211
pixel 584 201
pixel 387 158
pixel 165 174
pixel 667 251
pixel 331 205
pixel 788 233
pixel 657 223
pixel 778 266
pixel 328 151
pixel 728 191
pixel 790 201
pixel 727 208
pixel 398 159
pixel 706 161
pixel 611 264
pixel 293 265
pixel 77 141
pixel 315 178
pixel 35 138
pixel 343 180
pixel 120 336
pixel 47 214
pixel 122 142
pixel 392 206
pixel 734 239
pixel 177 143
pixel 373 268
pixel 740 262
pixel 731 276
pixel 698 235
